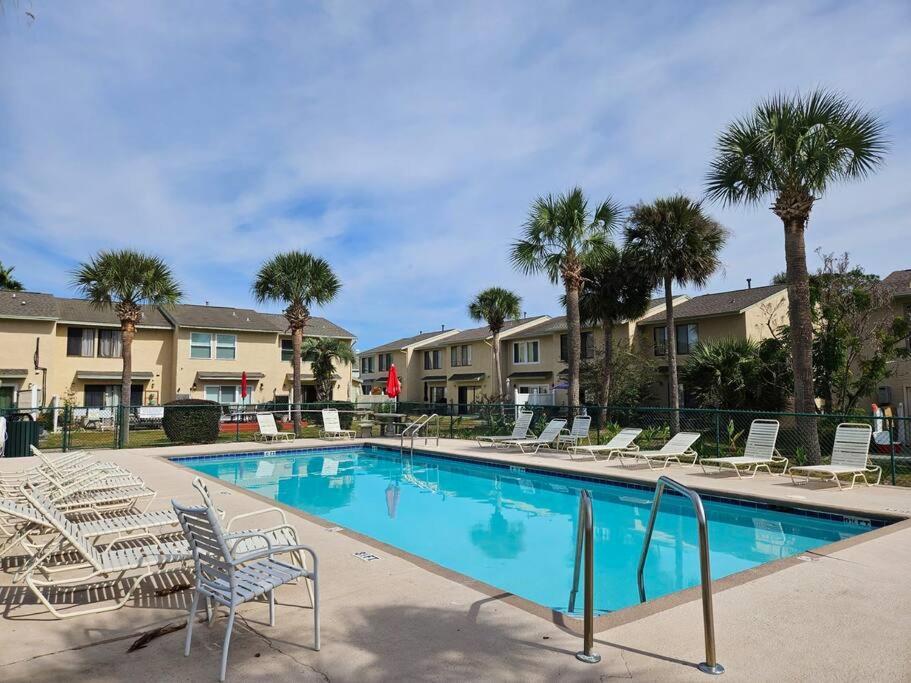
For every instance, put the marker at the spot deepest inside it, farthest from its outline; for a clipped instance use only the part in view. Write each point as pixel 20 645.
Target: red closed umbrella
pixel 393 386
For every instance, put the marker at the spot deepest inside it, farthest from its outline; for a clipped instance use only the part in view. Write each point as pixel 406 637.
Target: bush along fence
pixel 723 432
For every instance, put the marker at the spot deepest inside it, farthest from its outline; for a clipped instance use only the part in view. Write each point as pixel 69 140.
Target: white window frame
pixel 218 388
pixel 199 345
pixel 221 344
pixel 526 345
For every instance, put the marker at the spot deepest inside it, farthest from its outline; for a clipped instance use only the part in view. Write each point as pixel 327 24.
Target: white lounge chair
pixel 759 452
pixel 620 443
pixel 577 433
pixel 519 430
pixel 332 427
pixel 94 562
pixel 268 430
pixel 850 456
pixel 230 577
pixel 545 439
pixel 680 446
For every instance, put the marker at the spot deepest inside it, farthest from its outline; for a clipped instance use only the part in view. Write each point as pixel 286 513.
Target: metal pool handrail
pixel 415 428
pixel 710 665
pixel 585 538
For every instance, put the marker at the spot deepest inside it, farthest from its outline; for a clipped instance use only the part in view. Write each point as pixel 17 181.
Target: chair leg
pixel 210 611
pixel 193 607
pixel 315 604
pixel 272 607
pixel 227 644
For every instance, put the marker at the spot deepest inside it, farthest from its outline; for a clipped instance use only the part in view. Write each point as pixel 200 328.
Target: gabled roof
pixel 82 311
pixel 722 303
pixel 483 332
pixel 220 318
pixel 400 344
pixel 315 327
pixel 34 305
pixel 899 282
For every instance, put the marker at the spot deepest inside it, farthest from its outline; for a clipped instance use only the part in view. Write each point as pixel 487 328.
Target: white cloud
pixel 405 142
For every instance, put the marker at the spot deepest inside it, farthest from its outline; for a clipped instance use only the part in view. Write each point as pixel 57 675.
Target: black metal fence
pixel 723 432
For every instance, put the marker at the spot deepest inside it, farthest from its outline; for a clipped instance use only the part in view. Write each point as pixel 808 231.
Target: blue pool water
pixel 515 529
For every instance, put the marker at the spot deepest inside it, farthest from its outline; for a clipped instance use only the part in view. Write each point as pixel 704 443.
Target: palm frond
pixel 495 305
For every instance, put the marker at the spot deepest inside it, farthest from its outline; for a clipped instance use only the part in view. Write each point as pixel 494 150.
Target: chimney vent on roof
pixel 749 283
pixel 443 327
pixel 207 302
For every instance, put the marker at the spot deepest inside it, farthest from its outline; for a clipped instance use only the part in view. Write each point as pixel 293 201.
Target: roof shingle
pixel 399 344
pixel 899 282
pixel 722 303
pixel 27 305
pixel 483 332
pixel 82 311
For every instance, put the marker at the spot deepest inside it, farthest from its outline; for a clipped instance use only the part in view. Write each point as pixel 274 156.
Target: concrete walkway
pixel 840 614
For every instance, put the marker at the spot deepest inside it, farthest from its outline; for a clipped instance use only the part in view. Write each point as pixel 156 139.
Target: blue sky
pixel 405 141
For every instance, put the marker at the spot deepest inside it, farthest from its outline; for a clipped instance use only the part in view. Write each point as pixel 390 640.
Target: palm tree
pixel 323 353
pixel 673 239
pixel 7 281
pixel 495 306
pixel 125 281
pixel 790 150
pixel 614 290
pixel 561 233
pixel 299 280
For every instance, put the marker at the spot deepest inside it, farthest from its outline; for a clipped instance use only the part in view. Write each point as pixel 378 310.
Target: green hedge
pixel 191 420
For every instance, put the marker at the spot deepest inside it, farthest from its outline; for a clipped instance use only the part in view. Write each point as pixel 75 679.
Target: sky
pixel 405 141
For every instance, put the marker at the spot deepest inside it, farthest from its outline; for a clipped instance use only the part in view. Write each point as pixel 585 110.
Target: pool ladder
pixel 584 542
pixel 414 429
pixel 710 665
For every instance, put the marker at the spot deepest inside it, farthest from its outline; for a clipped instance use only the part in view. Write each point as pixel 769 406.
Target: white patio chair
pixel 679 446
pixel 268 430
pixel 578 433
pixel 2 436
pixel 519 430
pixel 231 578
pixel 850 456
pixel 759 451
pixel 95 562
pixel 620 443
pixel 545 439
pixel 332 426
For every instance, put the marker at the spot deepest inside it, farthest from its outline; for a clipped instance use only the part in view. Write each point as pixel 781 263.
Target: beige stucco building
pixel 66 348
pixel 895 390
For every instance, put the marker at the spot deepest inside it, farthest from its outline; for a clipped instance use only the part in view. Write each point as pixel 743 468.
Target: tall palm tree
pixel 7 281
pixel 299 280
pixel 560 234
pixel 125 281
pixel 495 306
pixel 323 353
pixel 790 150
pixel 614 290
pixel 673 239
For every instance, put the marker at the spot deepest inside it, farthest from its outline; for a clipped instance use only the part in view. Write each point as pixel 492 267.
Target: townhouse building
pixel 752 313
pixel 895 390
pixel 68 349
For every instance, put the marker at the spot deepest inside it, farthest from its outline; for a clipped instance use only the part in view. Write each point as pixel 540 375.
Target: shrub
pixel 191 420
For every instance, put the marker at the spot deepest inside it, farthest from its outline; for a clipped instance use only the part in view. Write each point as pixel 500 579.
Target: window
pixel 438 394
pixel 687 338
pixel 460 356
pixel 109 343
pixel 225 394
pixel 385 361
pixel 524 352
pixel 80 341
pixel 225 346
pixel 433 360
pixel 200 345
pixel 367 364
pixel 588 346
pixel 287 350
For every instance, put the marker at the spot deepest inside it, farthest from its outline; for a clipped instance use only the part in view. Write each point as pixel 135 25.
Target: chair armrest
pixel 238 537
pixel 279 550
pixel 247 515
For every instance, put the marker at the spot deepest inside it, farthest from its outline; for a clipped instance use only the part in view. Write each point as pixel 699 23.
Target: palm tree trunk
pixel 670 344
pixel 127 332
pixel 297 336
pixel 801 335
pixel 607 327
pixel 575 340
pixel 498 375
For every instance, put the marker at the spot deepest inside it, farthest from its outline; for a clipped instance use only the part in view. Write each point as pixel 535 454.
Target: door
pixel 466 397
pixel 6 398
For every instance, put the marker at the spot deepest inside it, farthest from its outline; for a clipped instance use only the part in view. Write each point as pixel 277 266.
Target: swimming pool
pixel 514 528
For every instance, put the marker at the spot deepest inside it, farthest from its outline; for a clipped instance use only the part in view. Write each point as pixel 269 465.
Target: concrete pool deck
pixel 840 613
